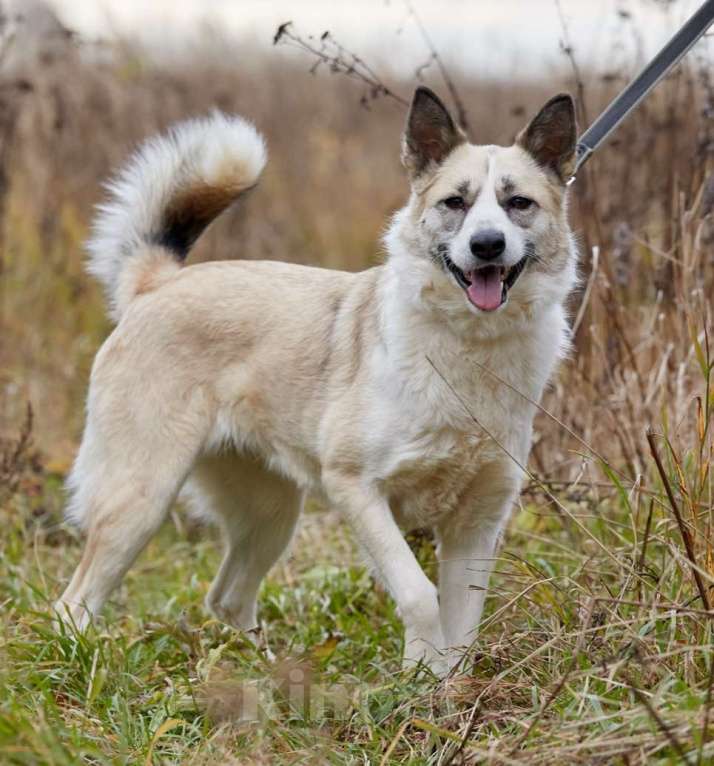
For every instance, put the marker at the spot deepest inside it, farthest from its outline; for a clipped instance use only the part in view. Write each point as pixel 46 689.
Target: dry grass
pixel 597 643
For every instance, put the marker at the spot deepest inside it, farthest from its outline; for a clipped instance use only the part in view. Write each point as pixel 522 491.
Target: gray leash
pixel 667 58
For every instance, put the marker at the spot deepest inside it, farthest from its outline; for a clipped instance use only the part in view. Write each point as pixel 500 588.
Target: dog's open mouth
pixel 487 287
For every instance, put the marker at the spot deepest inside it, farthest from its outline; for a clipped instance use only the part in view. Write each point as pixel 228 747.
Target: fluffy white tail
pixel 163 199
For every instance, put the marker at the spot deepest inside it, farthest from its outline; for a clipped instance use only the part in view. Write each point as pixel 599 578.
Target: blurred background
pixel 81 82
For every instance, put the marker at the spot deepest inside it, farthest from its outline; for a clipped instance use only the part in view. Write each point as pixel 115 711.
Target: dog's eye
pixel 520 203
pixel 454 203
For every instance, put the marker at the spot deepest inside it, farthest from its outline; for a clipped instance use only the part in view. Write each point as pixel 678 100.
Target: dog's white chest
pixel 442 479
pixel 445 432
pixel 436 453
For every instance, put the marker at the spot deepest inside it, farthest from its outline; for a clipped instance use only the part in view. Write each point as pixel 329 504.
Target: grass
pixel 594 648
pixel 596 645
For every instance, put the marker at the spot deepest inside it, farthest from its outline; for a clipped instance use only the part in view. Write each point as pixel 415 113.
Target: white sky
pixel 494 37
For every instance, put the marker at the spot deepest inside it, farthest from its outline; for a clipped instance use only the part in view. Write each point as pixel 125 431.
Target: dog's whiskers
pixel 439 254
pixel 532 254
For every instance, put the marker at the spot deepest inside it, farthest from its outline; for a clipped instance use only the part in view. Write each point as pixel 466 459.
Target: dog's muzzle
pixel 486 286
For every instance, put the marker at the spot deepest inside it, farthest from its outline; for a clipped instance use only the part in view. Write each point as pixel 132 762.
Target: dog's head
pixel 490 221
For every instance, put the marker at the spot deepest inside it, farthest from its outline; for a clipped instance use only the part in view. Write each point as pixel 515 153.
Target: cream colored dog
pixel 251 383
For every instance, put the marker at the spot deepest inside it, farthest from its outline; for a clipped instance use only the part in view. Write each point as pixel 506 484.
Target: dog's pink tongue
pixel 485 289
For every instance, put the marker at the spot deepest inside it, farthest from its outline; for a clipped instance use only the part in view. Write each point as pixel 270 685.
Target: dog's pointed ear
pixel 430 134
pixel 552 136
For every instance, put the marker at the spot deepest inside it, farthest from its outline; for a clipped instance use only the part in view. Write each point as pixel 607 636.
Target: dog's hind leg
pixel 126 476
pixel 257 510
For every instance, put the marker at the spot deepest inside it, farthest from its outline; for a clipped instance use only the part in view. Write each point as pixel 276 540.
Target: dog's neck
pixel 425 320
pixel 416 288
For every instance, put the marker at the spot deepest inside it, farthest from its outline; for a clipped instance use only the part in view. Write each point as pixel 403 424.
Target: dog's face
pixel 491 218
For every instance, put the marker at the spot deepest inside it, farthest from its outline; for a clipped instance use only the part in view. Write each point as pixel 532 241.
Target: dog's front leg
pixel 466 556
pixel 415 595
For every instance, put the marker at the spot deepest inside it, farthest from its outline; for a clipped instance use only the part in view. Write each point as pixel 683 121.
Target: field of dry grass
pixel 596 646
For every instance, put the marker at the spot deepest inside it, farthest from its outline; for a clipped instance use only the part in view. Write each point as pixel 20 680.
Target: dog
pixel 403 395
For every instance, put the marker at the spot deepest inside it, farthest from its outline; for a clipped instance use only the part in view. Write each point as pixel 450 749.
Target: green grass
pixel 589 653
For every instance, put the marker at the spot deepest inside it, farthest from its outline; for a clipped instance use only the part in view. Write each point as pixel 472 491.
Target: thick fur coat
pixel 248 384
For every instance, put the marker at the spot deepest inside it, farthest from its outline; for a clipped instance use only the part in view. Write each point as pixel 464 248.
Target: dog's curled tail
pixel 163 199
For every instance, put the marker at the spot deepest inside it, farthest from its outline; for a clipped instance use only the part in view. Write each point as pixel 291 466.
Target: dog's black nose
pixel 488 244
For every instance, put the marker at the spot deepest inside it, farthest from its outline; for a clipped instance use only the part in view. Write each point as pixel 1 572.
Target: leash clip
pixel 582 154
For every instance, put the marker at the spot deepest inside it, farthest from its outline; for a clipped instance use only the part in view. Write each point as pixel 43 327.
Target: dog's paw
pixel 418 651
pixel 239 616
pixel 70 618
